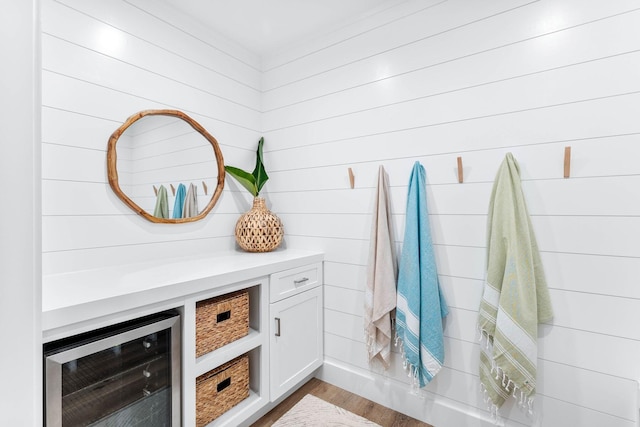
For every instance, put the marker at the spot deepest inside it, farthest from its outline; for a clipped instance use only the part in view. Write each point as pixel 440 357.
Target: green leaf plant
pixel 251 181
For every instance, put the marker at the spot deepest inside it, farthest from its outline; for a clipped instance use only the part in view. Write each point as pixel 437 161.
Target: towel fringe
pixel 526 406
pixel 508 384
pixel 375 353
pixel 484 337
pixel 369 340
pixel 491 407
pixel 523 402
pixel 412 371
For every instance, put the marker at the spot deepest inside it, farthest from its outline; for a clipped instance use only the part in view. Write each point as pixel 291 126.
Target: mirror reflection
pixel 166 166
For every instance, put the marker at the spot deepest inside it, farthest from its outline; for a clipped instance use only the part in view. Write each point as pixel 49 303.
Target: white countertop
pixel 80 296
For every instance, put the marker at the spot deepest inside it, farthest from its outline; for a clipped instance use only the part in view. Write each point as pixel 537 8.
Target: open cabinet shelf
pixel 252 344
pixel 230 351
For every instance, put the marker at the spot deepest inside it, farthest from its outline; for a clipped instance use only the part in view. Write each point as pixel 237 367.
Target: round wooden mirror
pixel 159 154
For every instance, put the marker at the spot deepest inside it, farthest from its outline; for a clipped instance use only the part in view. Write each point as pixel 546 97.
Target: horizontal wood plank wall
pixel 102 62
pixel 431 81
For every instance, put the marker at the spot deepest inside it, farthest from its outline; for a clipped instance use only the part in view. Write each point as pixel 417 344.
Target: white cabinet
pixel 286 285
pixel 296 340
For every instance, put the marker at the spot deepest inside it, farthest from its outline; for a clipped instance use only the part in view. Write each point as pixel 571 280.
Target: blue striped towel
pixel 178 204
pixel 421 307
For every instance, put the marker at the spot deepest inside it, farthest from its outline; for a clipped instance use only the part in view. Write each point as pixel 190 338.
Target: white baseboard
pixel 429 408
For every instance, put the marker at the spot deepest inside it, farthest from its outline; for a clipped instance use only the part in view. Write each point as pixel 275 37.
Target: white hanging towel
pixel 191 202
pixel 380 292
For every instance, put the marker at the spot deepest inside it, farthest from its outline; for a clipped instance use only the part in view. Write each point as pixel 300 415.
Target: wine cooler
pixel 123 375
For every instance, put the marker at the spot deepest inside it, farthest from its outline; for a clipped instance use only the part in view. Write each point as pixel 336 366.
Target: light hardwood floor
pixel 358 405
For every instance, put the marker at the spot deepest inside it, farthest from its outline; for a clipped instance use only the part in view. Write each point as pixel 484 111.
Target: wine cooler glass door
pixel 130 378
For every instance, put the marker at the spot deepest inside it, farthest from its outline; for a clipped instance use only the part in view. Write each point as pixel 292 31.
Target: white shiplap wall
pixel 432 80
pixel 103 61
pixel 423 80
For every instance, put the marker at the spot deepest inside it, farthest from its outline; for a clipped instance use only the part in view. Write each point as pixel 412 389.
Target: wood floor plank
pixel 372 411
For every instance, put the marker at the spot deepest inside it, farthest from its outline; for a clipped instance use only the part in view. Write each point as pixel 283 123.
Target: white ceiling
pixel 267 26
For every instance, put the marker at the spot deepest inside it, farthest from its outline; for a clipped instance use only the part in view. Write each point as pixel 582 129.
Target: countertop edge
pixel 84 303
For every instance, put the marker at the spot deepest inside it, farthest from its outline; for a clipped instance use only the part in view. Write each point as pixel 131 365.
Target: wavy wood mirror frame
pixel 112 170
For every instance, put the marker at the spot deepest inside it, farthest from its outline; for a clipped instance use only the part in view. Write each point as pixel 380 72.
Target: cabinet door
pixel 296 339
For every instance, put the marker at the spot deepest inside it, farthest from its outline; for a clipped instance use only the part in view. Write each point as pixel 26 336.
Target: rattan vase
pixel 259 230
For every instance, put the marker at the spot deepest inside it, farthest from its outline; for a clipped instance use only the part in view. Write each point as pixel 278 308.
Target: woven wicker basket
pixel 259 230
pixel 221 389
pixel 221 320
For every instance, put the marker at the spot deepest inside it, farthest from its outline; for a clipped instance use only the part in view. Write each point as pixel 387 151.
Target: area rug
pixel 314 412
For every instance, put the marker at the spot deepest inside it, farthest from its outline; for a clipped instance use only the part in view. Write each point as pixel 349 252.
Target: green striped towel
pixel 515 297
pixel 162 204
